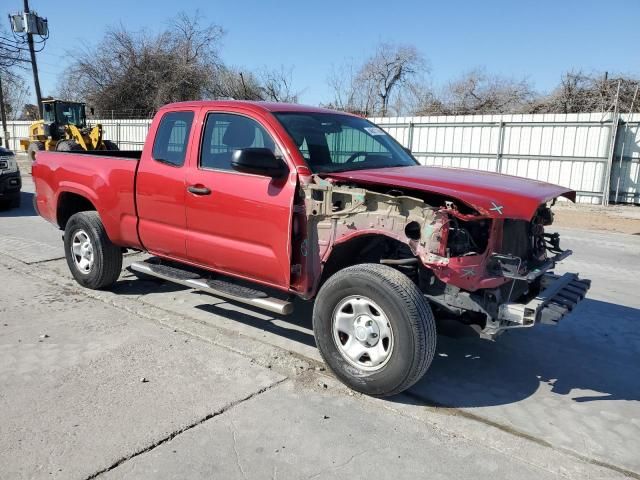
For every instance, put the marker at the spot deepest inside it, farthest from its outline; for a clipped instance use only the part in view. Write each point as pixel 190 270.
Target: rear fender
pixel 111 225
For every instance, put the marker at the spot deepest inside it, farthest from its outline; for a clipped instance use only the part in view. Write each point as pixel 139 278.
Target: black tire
pixel 410 318
pixel 109 145
pixel 34 148
pixel 68 146
pixel 8 204
pixel 107 257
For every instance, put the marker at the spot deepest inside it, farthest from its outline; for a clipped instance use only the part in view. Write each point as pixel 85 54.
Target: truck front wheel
pixel 374 329
pixel 94 261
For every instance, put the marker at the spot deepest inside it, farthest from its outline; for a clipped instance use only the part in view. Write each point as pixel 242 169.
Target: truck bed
pixel 106 179
pixel 126 154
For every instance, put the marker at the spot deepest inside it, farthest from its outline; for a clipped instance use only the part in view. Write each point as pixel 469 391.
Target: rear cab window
pixel 172 138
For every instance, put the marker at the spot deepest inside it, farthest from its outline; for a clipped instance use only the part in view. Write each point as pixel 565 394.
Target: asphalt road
pixel 237 393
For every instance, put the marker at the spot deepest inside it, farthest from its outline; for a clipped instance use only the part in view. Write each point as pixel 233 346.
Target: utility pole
pixel 3 114
pixel 34 65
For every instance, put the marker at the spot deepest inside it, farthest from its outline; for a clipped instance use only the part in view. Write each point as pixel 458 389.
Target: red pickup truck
pixel 261 202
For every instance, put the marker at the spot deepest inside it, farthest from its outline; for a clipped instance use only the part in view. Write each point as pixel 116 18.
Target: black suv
pixel 10 182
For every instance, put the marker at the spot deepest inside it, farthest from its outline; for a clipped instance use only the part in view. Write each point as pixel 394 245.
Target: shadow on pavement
pixel 303 312
pixel 134 286
pixel 591 356
pixel 25 210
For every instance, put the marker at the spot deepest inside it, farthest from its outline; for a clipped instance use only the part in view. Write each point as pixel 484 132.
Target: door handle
pixel 198 190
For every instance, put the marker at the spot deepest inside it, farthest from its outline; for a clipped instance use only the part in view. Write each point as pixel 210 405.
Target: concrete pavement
pixel 551 401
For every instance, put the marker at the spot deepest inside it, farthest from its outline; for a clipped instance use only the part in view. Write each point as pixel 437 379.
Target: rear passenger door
pixel 238 223
pixel 160 186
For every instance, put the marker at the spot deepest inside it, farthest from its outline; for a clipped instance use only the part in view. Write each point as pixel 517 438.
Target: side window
pixel 225 133
pixel 172 137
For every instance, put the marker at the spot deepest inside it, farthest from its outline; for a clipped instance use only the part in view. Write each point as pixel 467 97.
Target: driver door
pixel 238 223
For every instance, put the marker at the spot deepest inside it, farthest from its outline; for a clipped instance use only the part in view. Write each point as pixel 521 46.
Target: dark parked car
pixel 10 182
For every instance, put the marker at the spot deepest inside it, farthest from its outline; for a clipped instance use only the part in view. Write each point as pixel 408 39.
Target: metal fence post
pixel 500 148
pixel 410 136
pixel 606 183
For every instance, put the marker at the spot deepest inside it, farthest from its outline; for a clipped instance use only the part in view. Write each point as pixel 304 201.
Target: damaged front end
pixel 486 269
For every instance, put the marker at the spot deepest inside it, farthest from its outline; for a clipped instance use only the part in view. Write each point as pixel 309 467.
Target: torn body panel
pixel 459 259
pixel 334 214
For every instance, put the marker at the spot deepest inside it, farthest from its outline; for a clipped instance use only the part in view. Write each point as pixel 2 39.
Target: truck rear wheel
pixel 94 261
pixel 374 329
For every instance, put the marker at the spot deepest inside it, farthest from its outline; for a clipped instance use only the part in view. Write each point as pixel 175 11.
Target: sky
pixel 538 40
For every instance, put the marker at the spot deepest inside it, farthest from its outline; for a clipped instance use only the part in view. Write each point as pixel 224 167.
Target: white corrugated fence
pixel 596 154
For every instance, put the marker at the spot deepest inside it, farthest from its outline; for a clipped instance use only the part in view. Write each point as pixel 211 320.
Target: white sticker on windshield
pixel 374 131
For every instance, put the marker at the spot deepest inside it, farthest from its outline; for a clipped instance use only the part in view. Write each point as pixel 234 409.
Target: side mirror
pixel 259 161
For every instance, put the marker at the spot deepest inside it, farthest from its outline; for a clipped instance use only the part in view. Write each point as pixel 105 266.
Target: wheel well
pixel 69 204
pixel 363 249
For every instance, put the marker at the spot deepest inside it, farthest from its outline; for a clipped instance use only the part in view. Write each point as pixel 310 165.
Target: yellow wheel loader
pixel 64 128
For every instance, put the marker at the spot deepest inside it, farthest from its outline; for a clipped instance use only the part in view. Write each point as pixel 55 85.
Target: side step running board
pixel 219 288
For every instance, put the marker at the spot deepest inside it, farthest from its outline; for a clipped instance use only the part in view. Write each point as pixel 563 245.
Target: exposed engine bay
pixel 467 263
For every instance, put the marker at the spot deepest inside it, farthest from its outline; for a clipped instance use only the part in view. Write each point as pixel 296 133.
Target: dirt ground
pixel 614 218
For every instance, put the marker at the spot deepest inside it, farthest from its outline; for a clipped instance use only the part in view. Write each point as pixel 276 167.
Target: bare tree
pixel 478 92
pixel 138 72
pixel 582 92
pixel 390 67
pixel 268 85
pixel 233 83
pixel 346 93
pixel 371 88
pixel 416 97
pixel 30 112
pixel 15 93
pixel 277 85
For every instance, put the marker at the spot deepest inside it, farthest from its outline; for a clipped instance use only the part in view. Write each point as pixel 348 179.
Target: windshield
pixel 332 142
pixel 71 114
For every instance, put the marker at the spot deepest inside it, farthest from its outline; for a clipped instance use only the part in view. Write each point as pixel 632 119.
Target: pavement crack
pixel 517 433
pixel 174 434
pixel 339 466
pixel 235 448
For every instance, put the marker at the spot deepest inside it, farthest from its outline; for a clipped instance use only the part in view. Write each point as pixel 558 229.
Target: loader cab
pixel 57 114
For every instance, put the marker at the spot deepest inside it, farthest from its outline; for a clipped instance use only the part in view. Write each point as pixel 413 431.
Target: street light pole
pixel 34 65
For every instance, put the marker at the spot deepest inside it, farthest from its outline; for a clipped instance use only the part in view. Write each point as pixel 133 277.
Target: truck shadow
pixel 302 317
pixel 25 210
pixel 590 356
